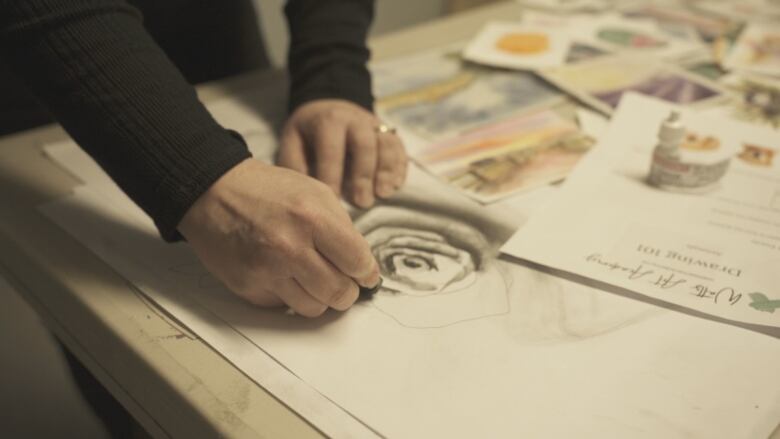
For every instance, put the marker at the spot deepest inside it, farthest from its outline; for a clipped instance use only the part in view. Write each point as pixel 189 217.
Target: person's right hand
pixel 275 236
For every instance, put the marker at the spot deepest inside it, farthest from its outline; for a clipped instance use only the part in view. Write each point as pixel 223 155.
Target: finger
pixel 347 250
pixel 329 142
pixel 399 173
pixel 262 298
pixel 390 165
pixel 404 166
pixel 324 282
pixel 362 144
pixel 292 153
pixel 294 296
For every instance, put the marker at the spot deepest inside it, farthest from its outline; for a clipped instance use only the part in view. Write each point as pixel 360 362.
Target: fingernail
pixel 374 278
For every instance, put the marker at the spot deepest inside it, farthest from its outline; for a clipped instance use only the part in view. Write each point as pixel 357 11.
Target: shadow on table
pixel 25 189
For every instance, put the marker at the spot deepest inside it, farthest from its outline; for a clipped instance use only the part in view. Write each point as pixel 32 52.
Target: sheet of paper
pixel 173 280
pixel 715 253
pixel 516 155
pixel 756 100
pixel 435 95
pixel 747 10
pixel 636 36
pixel 757 50
pixel 677 13
pixel 477 346
pixel 567 6
pixel 601 82
pixel 592 123
pixel 518 46
pixel 461 122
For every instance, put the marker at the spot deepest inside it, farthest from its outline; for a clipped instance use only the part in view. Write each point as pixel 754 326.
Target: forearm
pixel 117 94
pixel 328 52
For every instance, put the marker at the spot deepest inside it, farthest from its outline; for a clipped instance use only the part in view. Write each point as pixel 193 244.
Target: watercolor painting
pixel 708 26
pixel 757 100
pixel 629 38
pixel 617 33
pixel 602 82
pixel 699 142
pixel 567 6
pixel 667 86
pixel 707 69
pixel 581 52
pixel 519 46
pixel 756 155
pixel 756 50
pixel 518 154
pixel 439 96
pixel 523 43
pixel 745 10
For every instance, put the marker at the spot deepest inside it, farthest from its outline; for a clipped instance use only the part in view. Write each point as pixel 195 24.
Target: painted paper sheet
pixel 616 33
pixel 518 46
pixel 518 154
pixel 756 100
pixel 435 95
pixel 757 50
pixel 602 82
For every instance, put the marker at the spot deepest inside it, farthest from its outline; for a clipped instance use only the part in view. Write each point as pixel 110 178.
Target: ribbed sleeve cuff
pixel 328 52
pixel 338 82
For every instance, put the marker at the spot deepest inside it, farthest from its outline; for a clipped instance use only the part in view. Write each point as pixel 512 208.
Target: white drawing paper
pixel 714 253
pixel 461 343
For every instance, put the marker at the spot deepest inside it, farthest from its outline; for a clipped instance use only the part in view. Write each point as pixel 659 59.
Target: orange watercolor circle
pixel 524 43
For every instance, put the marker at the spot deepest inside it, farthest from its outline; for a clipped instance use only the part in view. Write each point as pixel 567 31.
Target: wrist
pixel 219 200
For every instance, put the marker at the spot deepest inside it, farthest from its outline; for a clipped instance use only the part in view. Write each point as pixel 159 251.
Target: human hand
pixel 274 237
pixel 338 142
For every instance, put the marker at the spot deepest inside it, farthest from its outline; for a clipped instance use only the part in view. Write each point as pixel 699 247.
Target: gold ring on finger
pixel 385 129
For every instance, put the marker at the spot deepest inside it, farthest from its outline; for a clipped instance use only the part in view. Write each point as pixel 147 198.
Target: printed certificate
pixel 715 251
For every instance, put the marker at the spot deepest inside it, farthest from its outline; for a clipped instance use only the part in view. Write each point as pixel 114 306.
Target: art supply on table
pixel 686 171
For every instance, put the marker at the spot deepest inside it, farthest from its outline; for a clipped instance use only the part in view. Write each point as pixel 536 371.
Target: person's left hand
pixel 340 144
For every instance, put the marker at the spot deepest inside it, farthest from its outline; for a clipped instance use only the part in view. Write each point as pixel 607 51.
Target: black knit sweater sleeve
pixel 117 94
pixel 328 53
